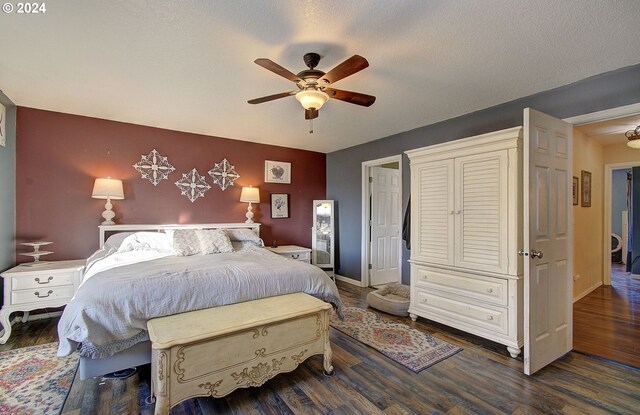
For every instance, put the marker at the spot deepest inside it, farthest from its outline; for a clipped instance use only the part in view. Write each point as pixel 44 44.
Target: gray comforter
pixel 110 310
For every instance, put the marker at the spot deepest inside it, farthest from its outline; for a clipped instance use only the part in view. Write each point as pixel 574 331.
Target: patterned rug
pixel 411 348
pixel 34 381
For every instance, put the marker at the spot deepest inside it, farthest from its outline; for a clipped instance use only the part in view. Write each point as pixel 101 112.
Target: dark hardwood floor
pixel 482 379
pixel 606 322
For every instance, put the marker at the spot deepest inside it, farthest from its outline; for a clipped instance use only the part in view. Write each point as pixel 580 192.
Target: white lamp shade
pixel 108 189
pixel 312 99
pixel 250 194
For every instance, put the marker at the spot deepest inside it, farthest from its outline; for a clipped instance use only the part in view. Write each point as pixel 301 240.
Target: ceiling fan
pixel 313 85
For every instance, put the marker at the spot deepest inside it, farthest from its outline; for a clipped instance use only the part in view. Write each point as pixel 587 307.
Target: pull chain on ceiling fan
pixel 313 85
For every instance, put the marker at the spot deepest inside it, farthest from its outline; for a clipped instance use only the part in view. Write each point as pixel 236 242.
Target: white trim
pixel 609 114
pixel 587 292
pixel 348 280
pixel 608 200
pixel 365 211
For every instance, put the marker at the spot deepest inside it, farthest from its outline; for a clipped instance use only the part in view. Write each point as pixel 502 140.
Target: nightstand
pixel 29 287
pixel 293 252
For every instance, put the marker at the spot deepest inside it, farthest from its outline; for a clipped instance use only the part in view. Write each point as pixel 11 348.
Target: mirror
pixel 323 237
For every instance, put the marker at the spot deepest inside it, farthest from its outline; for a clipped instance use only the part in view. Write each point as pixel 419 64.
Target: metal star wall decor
pixel 193 185
pixel 224 174
pixel 154 166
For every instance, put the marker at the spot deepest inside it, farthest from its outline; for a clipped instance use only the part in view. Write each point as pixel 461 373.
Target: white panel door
pixel 432 215
pixel 481 211
pixel 385 226
pixel 547 239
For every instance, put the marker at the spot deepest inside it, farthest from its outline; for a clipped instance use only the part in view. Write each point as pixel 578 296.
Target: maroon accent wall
pixel 58 156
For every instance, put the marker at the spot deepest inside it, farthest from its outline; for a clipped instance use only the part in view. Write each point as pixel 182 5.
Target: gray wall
pixel 619 199
pixel 608 90
pixel 8 188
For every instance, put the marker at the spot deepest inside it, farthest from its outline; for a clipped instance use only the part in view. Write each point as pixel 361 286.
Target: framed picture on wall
pixel 277 172
pixel 585 178
pixel 279 205
pixel 575 190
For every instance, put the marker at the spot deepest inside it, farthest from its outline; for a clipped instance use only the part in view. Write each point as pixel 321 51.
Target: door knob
pixel 536 254
pixel 522 252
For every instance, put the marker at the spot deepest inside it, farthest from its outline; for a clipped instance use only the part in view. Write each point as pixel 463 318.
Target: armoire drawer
pixel 487 289
pixel 452 310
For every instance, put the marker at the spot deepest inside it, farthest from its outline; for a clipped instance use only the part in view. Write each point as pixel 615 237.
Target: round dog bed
pixel 392 298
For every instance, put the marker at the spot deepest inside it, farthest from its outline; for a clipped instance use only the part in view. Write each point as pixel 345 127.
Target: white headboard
pixel 108 230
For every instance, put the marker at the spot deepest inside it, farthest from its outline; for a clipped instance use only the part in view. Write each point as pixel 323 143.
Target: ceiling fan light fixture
pixel 312 99
pixel 634 138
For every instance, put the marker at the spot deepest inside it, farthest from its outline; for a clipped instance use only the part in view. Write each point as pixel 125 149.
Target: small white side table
pixel 29 287
pixel 293 252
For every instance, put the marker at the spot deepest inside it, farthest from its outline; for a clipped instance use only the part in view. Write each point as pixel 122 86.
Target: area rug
pixel 405 345
pixel 33 380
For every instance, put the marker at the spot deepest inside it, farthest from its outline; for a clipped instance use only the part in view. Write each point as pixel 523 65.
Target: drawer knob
pixel 45 282
pixel 489 318
pixel 424 300
pixel 295 256
pixel 37 294
pixel 489 290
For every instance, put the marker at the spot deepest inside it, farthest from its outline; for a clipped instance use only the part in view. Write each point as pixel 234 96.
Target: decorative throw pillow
pixel 213 241
pixel 186 242
pixel 244 235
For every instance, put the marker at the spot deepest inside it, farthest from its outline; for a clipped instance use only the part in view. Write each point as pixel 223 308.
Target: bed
pixel 142 272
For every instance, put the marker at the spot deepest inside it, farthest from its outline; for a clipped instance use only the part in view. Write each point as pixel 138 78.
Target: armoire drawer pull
pixel 489 290
pixel 489 318
pixel 37 294
pixel 37 279
pixel 295 256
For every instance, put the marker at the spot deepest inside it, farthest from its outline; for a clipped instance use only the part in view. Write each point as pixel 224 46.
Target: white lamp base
pixel 108 214
pixel 249 214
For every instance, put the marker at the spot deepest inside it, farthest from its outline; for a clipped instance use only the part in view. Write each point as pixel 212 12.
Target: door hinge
pixel 370 179
pixel 370 266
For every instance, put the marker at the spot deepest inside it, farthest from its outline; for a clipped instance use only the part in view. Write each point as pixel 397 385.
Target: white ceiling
pixel 188 65
pixel 611 132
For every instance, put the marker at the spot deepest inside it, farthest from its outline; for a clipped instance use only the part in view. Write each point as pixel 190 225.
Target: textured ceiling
pixel 188 65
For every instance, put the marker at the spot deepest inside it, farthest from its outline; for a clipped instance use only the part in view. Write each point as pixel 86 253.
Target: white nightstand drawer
pixel 38 280
pixel 295 252
pixel 299 256
pixel 42 294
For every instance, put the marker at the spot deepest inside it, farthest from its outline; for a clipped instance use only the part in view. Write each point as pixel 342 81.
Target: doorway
pixel 606 308
pixel 381 221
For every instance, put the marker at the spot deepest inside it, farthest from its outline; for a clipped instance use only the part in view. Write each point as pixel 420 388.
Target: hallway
pixel 606 322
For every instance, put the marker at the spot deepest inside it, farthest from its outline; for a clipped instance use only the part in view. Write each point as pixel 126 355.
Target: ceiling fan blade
pixel 277 69
pixel 351 97
pixel 271 97
pixel 349 67
pixel 310 114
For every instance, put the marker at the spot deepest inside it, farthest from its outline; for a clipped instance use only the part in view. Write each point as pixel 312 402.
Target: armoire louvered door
pixel 480 205
pixel 434 211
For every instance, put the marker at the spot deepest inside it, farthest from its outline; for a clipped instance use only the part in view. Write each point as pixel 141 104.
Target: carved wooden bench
pixel 214 351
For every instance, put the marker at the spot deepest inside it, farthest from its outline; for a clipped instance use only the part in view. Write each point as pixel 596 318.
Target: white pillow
pixel 146 241
pixel 244 235
pixel 115 240
pixel 214 241
pixel 186 242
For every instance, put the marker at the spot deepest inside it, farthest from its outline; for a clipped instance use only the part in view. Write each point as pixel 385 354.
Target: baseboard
pixel 586 292
pixel 348 280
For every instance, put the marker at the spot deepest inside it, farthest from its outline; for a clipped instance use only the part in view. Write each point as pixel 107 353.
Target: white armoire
pixel 466 227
